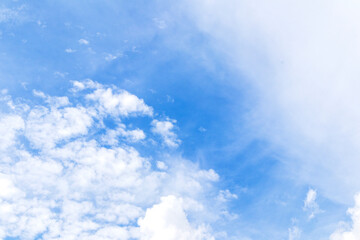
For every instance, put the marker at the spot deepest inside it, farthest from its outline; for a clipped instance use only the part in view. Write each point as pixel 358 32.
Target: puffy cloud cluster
pixel 9 126
pixel 65 174
pixel 113 101
pixel 112 135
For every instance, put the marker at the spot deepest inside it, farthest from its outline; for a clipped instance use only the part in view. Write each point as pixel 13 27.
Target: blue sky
pixel 179 120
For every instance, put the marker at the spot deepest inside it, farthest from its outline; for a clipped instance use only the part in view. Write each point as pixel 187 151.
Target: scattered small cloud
pixel 310 204
pixel 226 195
pixel 41 24
pixel 70 50
pixel 60 74
pixel 109 57
pixel 83 42
pixel 169 99
pixel 161 165
pixel 202 129
pixel 294 233
pixel 161 24
pixel 7 14
pixel 165 130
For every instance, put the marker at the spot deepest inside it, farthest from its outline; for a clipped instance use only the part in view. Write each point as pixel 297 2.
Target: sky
pixel 179 120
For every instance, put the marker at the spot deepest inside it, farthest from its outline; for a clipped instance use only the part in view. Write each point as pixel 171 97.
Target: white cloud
pixel 46 127
pixel 294 233
pixel 10 125
pixel 54 102
pixel 301 59
pixel 8 190
pixel 116 101
pixel 112 135
pixel 226 195
pixel 109 57
pixel 165 130
pixel 161 165
pixel 68 184
pixel 167 221
pixel 310 204
pixel 70 50
pixel 83 42
pixel 161 24
pixel 7 14
pixel 353 232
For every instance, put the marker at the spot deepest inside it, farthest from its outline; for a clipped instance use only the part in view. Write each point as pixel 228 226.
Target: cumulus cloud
pixel 352 232
pixel 226 195
pixel 112 135
pixel 73 178
pixel 46 127
pixel 168 221
pixel 165 130
pixel 10 125
pixel 113 101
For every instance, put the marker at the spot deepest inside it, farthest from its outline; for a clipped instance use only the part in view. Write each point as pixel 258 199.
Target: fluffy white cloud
pixel 113 101
pixel 54 102
pixel 165 130
pixel 10 125
pixel 72 178
pixel 8 190
pixel 121 103
pixel 353 232
pixel 168 221
pixel 112 136
pixel 46 127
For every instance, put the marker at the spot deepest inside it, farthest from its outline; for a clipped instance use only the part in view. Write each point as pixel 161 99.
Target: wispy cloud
pixel 301 61
pixel 310 204
pixel 294 233
pixel 7 14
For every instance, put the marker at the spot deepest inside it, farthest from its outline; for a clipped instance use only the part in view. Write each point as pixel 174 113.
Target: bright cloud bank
pixel 67 173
